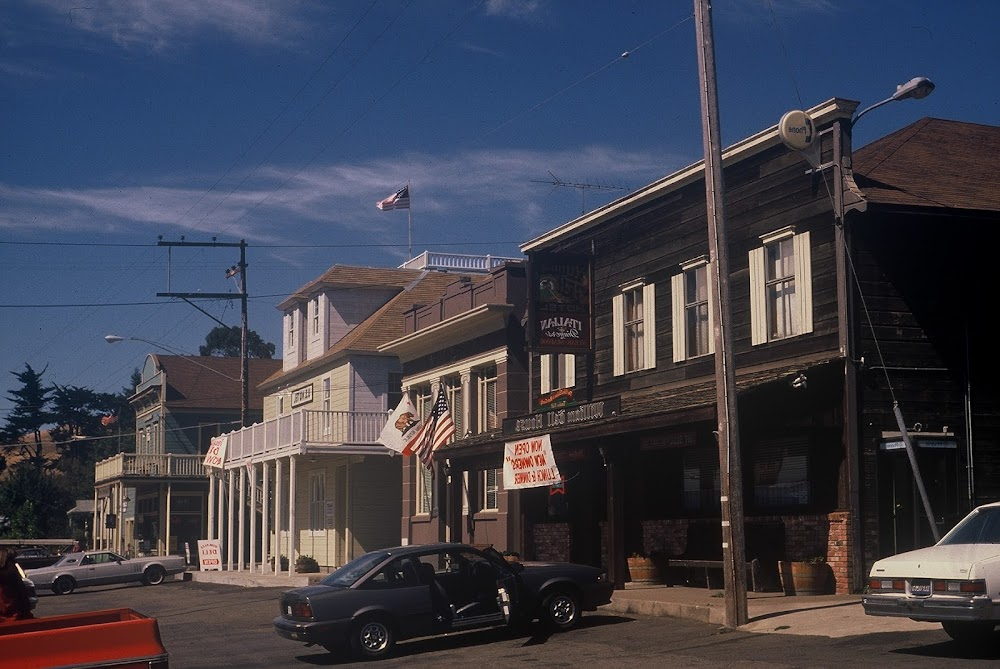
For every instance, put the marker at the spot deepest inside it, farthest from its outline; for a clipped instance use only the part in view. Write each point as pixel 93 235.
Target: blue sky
pixel 283 123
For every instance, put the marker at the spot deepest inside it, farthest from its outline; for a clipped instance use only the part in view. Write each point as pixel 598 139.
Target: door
pixel 341 555
pixel 903 523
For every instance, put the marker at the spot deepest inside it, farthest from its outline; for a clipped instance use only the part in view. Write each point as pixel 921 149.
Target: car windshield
pixel 979 527
pixel 349 574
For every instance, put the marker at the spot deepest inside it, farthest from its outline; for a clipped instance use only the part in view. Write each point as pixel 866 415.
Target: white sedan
pixel 74 570
pixel 955 582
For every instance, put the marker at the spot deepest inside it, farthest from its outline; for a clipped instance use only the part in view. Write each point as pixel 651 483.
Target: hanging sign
pixel 216 456
pixel 529 463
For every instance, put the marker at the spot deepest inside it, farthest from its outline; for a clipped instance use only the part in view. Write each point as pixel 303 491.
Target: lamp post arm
pixel 868 109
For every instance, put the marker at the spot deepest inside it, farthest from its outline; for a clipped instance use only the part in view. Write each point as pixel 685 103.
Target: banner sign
pixel 529 463
pixel 216 456
pixel 567 416
pixel 560 306
pixel 209 555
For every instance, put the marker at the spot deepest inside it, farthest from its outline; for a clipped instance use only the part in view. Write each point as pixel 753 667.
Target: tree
pixel 226 342
pixel 86 431
pixel 29 415
pixel 32 503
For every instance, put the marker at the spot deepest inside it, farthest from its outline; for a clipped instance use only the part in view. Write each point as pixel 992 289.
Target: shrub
pixel 306 564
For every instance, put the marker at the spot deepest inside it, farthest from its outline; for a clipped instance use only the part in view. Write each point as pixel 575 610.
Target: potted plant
pixel 305 564
pixel 811 576
pixel 642 568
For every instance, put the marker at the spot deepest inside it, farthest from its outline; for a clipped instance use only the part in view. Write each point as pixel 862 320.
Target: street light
pixel 917 88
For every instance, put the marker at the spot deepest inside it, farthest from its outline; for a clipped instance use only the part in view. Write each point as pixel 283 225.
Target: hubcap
pixel 374 636
pixel 562 610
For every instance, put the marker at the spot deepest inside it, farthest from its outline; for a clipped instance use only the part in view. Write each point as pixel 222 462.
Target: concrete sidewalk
pixel 774 612
pixel 770 612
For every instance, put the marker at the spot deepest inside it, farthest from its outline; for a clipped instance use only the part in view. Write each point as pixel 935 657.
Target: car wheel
pixel 153 575
pixel 63 585
pixel 971 633
pixel 373 638
pixel 560 611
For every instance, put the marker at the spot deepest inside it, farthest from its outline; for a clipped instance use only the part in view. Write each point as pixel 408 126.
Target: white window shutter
pixel 710 277
pixel 758 307
pixel 677 313
pixel 618 333
pixel 649 325
pixel 570 370
pixel 803 281
pixel 545 375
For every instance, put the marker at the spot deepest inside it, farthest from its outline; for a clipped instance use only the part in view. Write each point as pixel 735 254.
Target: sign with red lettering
pixel 210 554
pixel 216 456
pixel 529 463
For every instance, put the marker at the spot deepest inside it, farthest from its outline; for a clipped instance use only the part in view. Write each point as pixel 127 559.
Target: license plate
pixel 920 589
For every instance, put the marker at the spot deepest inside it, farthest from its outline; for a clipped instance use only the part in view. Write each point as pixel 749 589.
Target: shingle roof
pixel 933 163
pixel 205 382
pixel 347 276
pixel 386 324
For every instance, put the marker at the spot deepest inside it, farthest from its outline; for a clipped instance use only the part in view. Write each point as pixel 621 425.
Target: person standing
pixel 14 599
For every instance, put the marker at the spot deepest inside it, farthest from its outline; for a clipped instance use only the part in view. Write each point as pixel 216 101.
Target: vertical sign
pixel 560 306
pixel 209 555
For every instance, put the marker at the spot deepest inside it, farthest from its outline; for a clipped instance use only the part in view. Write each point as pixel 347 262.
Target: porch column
pixel 210 529
pixel 170 503
pixel 265 512
pixel 277 516
pixel 253 516
pixel 220 509
pixel 230 515
pixel 243 517
pixel 616 521
pixel 468 407
pixel 291 515
pixel 93 525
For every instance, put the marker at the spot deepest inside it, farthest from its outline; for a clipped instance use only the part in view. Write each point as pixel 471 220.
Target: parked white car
pixel 74 570
pixel 955 582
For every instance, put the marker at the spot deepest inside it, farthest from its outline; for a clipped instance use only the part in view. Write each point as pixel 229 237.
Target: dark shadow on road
pixel 955 650
pixel 535 635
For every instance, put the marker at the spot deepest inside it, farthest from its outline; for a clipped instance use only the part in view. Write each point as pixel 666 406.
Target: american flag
pixel 398 200
pixel 434 433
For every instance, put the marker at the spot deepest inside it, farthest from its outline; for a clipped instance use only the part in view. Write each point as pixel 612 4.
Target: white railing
pixel 132 464
pixel 319 428
pixel 455 261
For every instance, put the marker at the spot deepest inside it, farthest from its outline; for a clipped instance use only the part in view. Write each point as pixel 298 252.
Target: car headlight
pixel 298 610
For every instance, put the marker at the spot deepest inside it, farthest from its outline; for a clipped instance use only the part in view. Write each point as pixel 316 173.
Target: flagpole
pixel 409 222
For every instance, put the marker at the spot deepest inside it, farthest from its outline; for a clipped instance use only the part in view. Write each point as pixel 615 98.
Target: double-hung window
pixel 692 306
pixel 486 400
pixel 488 490
pixel 315 316
pixel 425 482
pixel 781 286
pixel 634 322
pixel 317 501
pixel 557 371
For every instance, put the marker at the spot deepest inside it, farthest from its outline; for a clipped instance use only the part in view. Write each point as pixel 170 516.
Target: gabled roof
pixel 346 276
pixel 932 163
pixel 206 382
pixel 383 326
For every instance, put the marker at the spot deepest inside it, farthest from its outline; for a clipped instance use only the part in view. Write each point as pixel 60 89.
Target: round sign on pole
pixel 797 130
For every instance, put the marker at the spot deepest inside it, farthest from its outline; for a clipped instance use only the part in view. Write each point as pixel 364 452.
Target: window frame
pixel 679 290
pixel 645 341
pixel 557 371
pixel 763 309
pixel 317 503
pixel 485 491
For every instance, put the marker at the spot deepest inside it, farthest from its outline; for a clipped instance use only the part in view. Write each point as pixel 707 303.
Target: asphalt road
pixel 211 626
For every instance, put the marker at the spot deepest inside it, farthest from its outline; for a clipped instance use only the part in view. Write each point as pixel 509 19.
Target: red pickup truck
pixel 119 638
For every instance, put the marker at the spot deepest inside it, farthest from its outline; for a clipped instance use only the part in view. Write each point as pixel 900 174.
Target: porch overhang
pixel 455 330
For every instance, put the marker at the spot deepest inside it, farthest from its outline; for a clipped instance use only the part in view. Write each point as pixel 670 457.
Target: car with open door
pixel 400 593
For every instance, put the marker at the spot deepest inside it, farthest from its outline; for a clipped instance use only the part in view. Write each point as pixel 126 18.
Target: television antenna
pixel 556 182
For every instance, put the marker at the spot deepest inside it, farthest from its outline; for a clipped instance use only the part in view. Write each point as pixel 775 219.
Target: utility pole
pixel 240 269
pixel 730 468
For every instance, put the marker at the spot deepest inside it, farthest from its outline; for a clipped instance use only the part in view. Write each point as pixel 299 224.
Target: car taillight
pixel 964 587
pixel 887 584
pixel 299 610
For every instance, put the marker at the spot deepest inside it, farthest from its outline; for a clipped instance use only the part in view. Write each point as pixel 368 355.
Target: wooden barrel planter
pixel 805 578
pixel 643 570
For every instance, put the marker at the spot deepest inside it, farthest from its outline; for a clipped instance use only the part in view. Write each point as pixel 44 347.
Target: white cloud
pixel 285 206
pixel 161 24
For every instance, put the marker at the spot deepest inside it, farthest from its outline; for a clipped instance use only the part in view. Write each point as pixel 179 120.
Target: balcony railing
pixel 132 464
pixel 306 428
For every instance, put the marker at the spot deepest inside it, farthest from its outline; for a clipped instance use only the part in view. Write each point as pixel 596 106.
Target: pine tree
pixel 29 415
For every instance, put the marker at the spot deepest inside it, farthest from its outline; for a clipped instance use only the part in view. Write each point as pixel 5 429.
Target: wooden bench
pixel 753 568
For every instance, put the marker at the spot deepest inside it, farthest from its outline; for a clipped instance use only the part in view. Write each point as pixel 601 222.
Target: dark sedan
pixel 389 595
